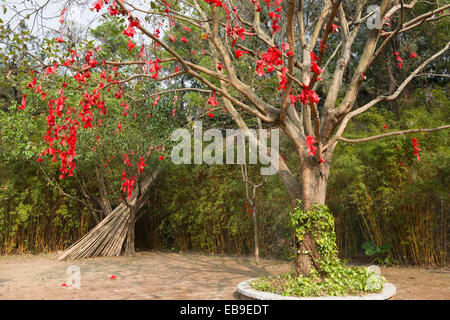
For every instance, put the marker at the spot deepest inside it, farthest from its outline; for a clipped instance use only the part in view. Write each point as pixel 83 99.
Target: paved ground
pixel 161 275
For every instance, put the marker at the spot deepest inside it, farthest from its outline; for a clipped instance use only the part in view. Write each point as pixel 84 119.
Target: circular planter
pixel 245 289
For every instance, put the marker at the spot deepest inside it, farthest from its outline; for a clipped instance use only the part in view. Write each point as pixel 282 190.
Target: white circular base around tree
pixel 246 290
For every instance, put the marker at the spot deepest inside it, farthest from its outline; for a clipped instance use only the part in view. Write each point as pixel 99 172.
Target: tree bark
pixel 255 232
pixel 311 190
pixel 104 202
pixel 129 249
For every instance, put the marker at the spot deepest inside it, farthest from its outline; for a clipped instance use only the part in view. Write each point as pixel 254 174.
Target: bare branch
pixel 396 133
pixel 393 96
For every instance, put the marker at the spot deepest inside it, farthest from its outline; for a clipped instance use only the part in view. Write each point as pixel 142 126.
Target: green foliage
pixel 33 217
pixel 202 208
pixel 380 253
pixel 341 282
pixel 379 192
pixel 336 279
pixel 320 222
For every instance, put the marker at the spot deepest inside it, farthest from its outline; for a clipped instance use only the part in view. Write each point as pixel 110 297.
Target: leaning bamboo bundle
pixel 108 237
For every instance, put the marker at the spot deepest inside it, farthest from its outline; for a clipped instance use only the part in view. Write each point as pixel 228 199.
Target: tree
pixel 100 161
pixel 297 86
pixel 250 197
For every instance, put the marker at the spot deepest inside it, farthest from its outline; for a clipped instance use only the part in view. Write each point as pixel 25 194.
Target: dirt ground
pixel 162 275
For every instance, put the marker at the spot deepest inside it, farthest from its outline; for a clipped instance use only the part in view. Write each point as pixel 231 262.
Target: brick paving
pixel 162 275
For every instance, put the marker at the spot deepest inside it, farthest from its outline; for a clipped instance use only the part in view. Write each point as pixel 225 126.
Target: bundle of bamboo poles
pixel 108 237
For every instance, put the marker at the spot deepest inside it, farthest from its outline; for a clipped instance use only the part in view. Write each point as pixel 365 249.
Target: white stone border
pixel 245 289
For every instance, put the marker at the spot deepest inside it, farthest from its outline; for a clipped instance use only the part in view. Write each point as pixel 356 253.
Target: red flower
pixel 283 81
pixel 293 99
pixel 142 53
pixel 399 59
pixel 61 18
pixel 141 164
pixel 217 3
pixel 129 32
pixel 128 185
pixel 60 39
pixel 240 52
pixel 98 5
pixel 112 277
pixel 126 160
pixel 416 148
pixel 308 96
pixel 315 68
pixel 260 68
pixel 183 39
pixel 79 77
pixel 113 11
pixel 118 94
pixel 156 101
pixel 310 144
pixel 23 104
pixel 212 100
pixel 32 83
pixel 334 27
pixel 131 45
pixel 93 63
pixel 135 23
pixel 412 55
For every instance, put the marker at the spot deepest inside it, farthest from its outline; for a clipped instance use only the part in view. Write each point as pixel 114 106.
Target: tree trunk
pixel 103 201
pixel 255 232
pixel 314 186
pixel 312 190
pixel 129 249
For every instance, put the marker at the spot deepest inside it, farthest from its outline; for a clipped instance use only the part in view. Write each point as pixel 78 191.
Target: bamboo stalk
pixel 108 237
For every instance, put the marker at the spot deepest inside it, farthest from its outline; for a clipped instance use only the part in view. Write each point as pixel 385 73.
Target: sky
pixel 47 18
